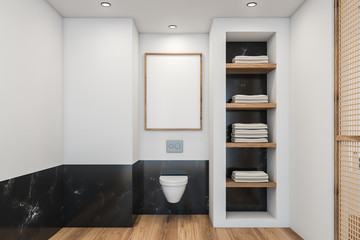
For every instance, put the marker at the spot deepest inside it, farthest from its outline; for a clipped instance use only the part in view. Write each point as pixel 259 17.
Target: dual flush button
pixel 174 146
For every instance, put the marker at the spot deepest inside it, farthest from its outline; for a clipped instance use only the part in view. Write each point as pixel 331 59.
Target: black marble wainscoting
pixel 31 205
pixel 149 198
pixel 98 196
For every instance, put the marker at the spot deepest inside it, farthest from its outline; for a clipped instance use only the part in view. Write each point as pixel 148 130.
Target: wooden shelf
pixel 250 106
pixel 231 184
pixel 249 68
pixel 250 145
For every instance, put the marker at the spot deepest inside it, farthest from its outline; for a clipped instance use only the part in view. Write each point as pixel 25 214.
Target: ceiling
pixel 248 36
pixel 191 16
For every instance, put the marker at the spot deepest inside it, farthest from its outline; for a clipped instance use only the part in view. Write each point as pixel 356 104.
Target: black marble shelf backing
pixel 246 159
pixel 246 199
pixel 244 48
pixel 252 84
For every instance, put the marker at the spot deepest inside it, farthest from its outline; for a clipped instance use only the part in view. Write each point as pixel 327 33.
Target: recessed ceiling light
pixel 106 4
pixel 172 26
pixel 251 4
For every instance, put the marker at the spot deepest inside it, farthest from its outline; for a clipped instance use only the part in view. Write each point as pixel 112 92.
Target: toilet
pixel 173 184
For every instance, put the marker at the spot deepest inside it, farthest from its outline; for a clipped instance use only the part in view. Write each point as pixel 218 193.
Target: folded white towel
pixel 235 135
pixel 259 57
pixel 249 140
pixel 250 59
pixel 250 100
pixel 247 101
pixel 241 96
pixel 249 126
pixel 249 178
pixel 240 181
pixel 249 173
pixel 253 61
pixel 251 131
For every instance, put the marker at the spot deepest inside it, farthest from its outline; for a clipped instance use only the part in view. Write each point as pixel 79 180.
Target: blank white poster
pixel 173 91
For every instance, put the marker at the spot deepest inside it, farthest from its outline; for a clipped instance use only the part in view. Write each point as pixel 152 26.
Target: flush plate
pixel 174 146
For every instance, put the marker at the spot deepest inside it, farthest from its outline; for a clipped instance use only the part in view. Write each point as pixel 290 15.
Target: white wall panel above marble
pixel 153 143
pixel 99 79
pixel 30 88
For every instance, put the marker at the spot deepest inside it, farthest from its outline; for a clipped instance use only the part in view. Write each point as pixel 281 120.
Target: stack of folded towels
pixel 249 132
pixel 239 98
pixel 251 59
pixel 250 176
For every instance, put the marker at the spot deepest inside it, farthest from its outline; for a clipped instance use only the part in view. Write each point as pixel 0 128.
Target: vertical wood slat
pixel 347 120
pixel 336 153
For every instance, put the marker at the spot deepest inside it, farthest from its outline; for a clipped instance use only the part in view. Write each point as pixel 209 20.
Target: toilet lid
pixel 173 180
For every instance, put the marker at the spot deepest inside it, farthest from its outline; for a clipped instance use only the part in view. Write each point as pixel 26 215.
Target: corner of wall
pixel 211 125
pixel 136 91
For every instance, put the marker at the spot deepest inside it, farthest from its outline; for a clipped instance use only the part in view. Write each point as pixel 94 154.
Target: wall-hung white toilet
pixel 173 187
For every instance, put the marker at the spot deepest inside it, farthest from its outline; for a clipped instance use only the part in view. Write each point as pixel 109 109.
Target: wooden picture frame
pixel 173 92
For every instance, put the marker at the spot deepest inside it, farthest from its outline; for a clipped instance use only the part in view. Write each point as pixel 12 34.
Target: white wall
pixel 30 87
pixel 136 92
pixel 98 85
pixel 153 143
pixel 312 158
pixel 278 212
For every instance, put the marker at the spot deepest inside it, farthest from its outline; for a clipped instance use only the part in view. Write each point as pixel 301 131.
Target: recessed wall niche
pixel 240 199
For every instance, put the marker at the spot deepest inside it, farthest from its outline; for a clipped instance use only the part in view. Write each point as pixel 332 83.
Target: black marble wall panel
pixel 98 196
pixel 245 83
pixel 31 205
pixel 246 159
pixel 245 48
pixel 149 198
pixel 246 199
pixel 251 84
pixel 138 187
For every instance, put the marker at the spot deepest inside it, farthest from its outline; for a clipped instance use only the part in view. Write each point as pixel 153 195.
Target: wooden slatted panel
pixel 349 190
pixel 347 120
pixel 349 68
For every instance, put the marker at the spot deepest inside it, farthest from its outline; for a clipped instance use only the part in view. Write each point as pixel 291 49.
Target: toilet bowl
pixel 173 187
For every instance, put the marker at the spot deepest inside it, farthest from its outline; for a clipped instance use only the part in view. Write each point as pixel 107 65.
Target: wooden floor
pixel 164 227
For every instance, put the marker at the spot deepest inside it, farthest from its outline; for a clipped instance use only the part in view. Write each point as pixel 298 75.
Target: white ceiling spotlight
pixel 251 4
pixel 172 26
pixel 106 4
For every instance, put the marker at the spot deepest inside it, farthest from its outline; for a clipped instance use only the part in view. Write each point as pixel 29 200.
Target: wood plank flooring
pixel 173 227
